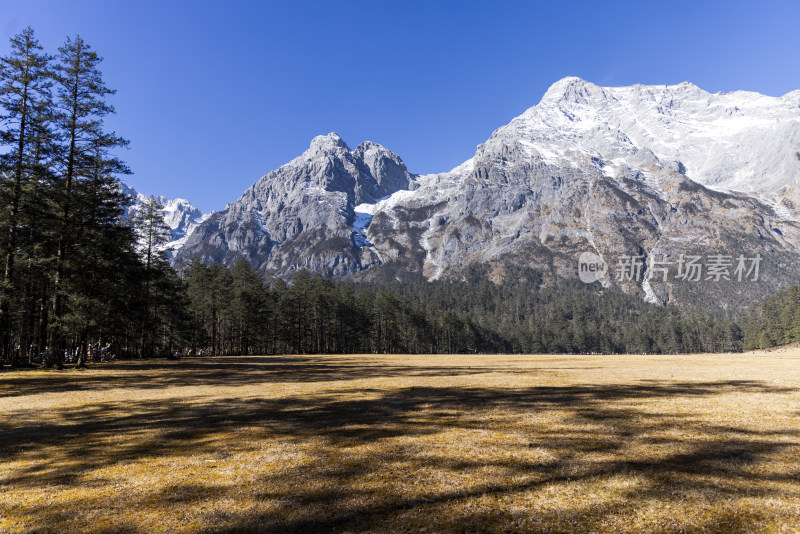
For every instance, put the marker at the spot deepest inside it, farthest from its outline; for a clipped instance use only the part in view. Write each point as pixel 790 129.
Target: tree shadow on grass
pixel 362 443
pixel 224 371
pixel 339 416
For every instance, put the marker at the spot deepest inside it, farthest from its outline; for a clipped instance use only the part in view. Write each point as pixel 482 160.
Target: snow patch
pixel 259 221
pixel 360 224
pixel 179 215
pixel 649 295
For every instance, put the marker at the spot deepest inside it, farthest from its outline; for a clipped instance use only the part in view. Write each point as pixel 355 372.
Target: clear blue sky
pixel 212 95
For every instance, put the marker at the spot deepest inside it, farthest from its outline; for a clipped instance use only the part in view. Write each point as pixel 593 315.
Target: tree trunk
pixel 53 338
pixel 82 352
pixel 53 354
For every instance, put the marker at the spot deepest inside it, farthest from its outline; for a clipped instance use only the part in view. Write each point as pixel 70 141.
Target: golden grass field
pixel 701 443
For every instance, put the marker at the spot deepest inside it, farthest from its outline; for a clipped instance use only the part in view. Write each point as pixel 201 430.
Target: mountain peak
pixel 366 145
pixel 569 80
pixel 328 142
pixel 567 87
pixel 617 169
pixel 371 147
pixel 686 88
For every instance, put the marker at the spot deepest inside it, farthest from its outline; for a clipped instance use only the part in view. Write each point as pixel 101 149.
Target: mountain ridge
pixel 638 169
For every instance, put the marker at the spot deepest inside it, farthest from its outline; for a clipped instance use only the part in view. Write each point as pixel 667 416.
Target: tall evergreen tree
pixel 102 264
pixel 25 102
pixel 248 308
pixel 81 103
pixel 153 233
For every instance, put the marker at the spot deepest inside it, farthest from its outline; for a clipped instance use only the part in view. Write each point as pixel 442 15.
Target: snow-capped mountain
pixel 181 216
pixel 738 141
pixel 646 171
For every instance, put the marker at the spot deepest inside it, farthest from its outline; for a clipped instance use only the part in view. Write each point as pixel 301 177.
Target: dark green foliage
pixel 776 322
pixel 234 312
pixel 27 140
pixel 519 315
pixel 73 274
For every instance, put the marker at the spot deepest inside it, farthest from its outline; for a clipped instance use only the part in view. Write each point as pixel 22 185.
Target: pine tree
pixel 248 308
pixel 25 101
pixel 153 234
pixel 81 105
pixel 103 265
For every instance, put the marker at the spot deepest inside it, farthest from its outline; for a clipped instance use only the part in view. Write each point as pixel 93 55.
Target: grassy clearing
pixel 405 444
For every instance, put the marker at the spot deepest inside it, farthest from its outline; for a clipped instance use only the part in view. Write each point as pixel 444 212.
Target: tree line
pixel 235 311
pixel 775 322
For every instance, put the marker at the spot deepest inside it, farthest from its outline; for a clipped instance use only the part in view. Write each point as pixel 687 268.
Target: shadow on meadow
pixel 222 371
pixel 358 455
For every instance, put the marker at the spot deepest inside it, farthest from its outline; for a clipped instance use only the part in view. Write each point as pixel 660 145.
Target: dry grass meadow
pixel 703 443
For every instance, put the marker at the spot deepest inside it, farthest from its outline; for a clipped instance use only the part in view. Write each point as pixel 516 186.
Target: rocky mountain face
pixel 646 174
pixel 302 214
pixel 181 216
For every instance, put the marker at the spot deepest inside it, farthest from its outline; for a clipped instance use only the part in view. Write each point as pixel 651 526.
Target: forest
pixel 775 322
pixel 236 312
pixel 83 277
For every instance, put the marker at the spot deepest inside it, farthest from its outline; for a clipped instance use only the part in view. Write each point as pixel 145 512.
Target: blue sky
pixel 212 95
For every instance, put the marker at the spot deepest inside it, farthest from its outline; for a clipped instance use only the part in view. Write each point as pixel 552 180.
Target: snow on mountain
pixel 737 141
pixel 182 218
pixel 179 214
pixel 646 171
pixel 612 170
